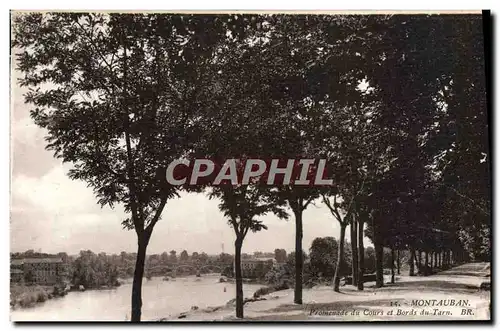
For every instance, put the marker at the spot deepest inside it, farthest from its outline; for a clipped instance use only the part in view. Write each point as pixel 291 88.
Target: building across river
pixel 42 271
pixel 256 267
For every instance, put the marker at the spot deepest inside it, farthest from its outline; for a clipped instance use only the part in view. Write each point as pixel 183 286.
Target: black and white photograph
pixel 253 166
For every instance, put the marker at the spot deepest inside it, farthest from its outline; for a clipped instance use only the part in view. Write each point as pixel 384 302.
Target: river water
pixel 160 299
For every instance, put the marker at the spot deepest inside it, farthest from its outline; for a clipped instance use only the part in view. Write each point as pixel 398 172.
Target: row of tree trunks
pixel 447 258
pixel 431 260
pixel 428 260
pixel 357 225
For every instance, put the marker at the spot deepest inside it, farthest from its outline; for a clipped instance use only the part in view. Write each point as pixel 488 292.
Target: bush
pixel 27 296
pixel 262 291
pixel 42 296
pixel 270 289
pixel 26 300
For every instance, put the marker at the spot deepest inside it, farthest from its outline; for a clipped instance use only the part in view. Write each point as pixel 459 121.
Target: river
pixel 160 299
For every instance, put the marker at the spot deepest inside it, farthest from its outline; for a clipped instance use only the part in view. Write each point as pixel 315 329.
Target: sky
pixel 52 213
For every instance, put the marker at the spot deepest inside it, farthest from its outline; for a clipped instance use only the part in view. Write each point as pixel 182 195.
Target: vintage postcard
pixel 250 166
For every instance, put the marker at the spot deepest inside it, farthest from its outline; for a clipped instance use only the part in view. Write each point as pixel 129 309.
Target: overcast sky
pixel 51 213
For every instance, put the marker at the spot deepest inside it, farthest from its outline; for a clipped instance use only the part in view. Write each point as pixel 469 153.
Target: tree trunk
pixel 340 259
pixel 237 274
pixel 379 256
pixel 431 259
pixel 393 257
pixel 299 263
pixel 361 255
pixel 412 262
pixel 426 259
pixel 354 249
pixel 137 282
pixel 379 263
pixel 398 261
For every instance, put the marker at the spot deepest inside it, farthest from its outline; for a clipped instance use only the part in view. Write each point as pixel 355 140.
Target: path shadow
pixel 440 286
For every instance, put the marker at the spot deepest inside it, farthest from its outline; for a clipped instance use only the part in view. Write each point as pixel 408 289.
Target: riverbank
pixel 160 299
pixel 27 296
pixel 443 296
pixel 24 296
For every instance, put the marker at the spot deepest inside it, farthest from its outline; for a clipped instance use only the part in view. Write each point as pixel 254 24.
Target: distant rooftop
pixel 257 259
pixel 34 260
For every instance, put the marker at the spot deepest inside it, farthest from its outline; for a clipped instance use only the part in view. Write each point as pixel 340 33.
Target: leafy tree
pixel 203 258
pixel 118 135
pixel 184 256
pixel 173 256
pixel 290 261
pixel 344 216
pixel 369 260
pixel 421 116
pixel 164 257
pixel 195 256
pixel 94 270
pixel 226 259
pixel 280 255
pixel 279 274
pixel 242 205
pixel 324 256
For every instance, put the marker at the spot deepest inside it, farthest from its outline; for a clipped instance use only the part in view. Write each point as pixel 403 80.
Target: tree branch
pixel 334 209
pixel 156 217
pixel 138 220
pixel 471 200
pixel 307 203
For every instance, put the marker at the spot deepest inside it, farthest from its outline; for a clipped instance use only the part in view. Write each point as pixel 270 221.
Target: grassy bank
pixel 28 296
pixel 270 305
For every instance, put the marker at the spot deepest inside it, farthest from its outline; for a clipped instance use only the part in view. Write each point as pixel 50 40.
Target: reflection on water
pixel 160 299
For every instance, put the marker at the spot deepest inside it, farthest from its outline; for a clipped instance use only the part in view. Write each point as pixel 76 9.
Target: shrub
pixel 269 289
pixel 42 296
pixel 27 296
